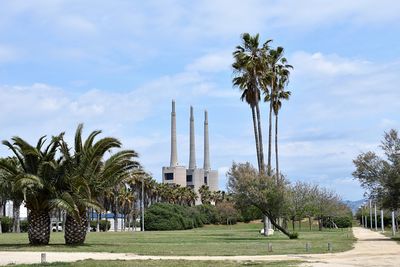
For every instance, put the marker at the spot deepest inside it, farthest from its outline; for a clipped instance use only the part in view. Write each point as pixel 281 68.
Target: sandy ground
pixel 371 249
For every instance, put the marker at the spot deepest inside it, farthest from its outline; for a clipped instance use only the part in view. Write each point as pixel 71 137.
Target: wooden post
pixel 308 247
pixel 330 247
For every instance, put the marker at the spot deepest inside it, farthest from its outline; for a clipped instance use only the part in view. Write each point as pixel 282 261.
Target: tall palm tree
pixel 248 68
pixel 277 78
pixel 86 175
pixel 36 178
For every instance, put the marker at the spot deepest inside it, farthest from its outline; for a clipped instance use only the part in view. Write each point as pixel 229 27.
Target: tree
pixel 86 175
pixel 9 176
pixel 37 179
pixel 249 67
pixel 205 194
pixel 381 177
pixel 278 78
pixel 251 188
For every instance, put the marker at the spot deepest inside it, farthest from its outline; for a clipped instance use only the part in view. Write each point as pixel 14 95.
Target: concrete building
pixel 192 176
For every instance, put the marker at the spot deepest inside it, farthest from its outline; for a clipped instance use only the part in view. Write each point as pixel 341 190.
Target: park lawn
pixel 164 263
pixel 211 240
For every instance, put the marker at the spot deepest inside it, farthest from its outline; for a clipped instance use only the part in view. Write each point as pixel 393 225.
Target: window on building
pixel 169 176
pixel 189 178
pixel 205 179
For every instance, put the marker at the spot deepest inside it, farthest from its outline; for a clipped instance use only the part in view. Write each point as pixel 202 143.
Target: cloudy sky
pixel 116 66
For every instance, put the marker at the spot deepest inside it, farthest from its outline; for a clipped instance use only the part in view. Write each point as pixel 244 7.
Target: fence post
pixel 330 247
pixel 43 258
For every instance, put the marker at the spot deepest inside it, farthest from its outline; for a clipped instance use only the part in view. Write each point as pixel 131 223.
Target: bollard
pixel 329 247
pixel 269 247
pixel 43 258
pixel 308 246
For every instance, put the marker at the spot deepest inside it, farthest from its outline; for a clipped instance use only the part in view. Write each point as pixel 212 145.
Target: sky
pixel 116 66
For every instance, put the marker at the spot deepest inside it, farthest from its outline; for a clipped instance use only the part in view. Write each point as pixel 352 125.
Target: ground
pixel 371 249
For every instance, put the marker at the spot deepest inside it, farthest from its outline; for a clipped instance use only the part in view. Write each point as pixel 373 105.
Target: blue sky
pixel 116 65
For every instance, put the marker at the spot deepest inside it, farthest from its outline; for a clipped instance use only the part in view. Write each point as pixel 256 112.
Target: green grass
pixel 240 239
pixel 388 232
pixel 166 263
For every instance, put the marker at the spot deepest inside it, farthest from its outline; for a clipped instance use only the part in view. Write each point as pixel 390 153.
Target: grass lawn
pixel 388 232
pixel 167 263
pixel 240 239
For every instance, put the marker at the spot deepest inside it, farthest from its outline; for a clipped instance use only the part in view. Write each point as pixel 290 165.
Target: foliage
pixel 6 224
pixel 165 216
pixel 227 213
pixel 209 214
pixel 249 213
pixel 381 176
pixel 250 188
pixel 24 226
pixel 103 224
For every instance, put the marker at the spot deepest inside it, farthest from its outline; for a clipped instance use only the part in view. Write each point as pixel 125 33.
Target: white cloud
pixel 213 62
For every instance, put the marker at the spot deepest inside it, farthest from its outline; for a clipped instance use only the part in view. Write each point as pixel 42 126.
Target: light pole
pixel 362 216
pixel 376 218
pixel 393 225
pixel 370 213
pixel 382 225
pixel 143 203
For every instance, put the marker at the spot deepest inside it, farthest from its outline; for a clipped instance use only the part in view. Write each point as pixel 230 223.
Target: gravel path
pixel 371 249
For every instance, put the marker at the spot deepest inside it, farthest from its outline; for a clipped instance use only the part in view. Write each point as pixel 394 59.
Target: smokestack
pixel 206 144
pixel 174 154
pixel 192 155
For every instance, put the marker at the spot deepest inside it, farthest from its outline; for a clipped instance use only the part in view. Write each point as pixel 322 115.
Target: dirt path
pixel 371 249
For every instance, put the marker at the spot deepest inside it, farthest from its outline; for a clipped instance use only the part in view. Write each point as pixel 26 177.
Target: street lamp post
pixel 143 203
pixel 376 218
pixel 370 213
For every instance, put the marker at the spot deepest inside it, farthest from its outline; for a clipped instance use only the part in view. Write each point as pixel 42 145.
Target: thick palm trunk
pixel 253 113
pixel 269 138
pixel 276 150
pixel 75 231
pixel 38 227
pixel 16 217
pixel 260 142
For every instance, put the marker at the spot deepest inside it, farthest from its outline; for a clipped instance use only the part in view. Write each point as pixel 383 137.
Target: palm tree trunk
pixel 75 231
pixel 260 142
pixel 276 149
pixel 38 227
pixel 269 138
pixel 256 136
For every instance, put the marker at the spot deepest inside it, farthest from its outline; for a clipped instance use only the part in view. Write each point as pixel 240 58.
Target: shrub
pixel 250 213
pixel 227 213
pixel 165 216
pixel 343 222
pixel 294 235
pixel 104 225
pixel 23 224
pixel 6 224
pixel 209 214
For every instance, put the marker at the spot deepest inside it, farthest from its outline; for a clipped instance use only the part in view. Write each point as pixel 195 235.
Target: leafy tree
pixel 381 176
pixel 251 188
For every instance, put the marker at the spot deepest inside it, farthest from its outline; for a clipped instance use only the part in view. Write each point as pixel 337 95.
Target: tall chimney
pixel 206 144
pixel 192 155
pixel 174 154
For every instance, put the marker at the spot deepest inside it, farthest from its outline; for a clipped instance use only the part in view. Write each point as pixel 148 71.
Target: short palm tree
pixel 36 177
pixel 86 176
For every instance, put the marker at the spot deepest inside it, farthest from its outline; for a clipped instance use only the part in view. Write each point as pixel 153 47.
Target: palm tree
pixel 205 194
pixel 36 178
pixel 277 78
pixel 86 176
pixel 248 69
pixel 7 184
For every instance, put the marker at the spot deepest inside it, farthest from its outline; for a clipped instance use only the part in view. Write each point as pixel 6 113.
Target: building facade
pixel 192 176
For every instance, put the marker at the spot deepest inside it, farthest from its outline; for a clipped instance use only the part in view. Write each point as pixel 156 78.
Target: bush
pixel 294 235
pixel 343 222
pixel 103 225
pixel 209 214
pixel 6 224
pixel 250 213
pixel 227 213
pixel 165 216
pixel 23 224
